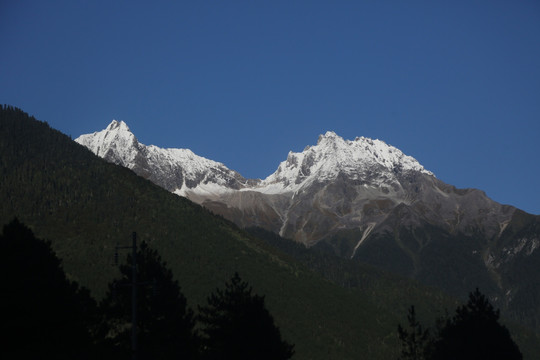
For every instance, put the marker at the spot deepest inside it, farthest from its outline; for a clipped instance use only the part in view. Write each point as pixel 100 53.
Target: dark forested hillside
pixel 85 206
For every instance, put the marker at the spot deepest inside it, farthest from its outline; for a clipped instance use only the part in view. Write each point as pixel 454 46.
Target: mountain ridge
pixel 370 174
pixel 119 145
pixel 367 201
pixel 106 143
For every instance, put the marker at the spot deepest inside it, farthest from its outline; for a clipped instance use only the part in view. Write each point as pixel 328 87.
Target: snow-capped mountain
pixel 334 185
pixel 361 199
pixel 372 167
pixel 177 170
pixel 187 174
pixel 332 156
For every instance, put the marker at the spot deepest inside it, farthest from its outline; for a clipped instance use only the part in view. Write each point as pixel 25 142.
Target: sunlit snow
pixel 332 156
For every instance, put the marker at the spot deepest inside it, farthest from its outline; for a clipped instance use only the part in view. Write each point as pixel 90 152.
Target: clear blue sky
pixel 456 84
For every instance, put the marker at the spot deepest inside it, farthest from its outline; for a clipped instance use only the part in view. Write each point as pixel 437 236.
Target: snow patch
pixel 366 233
pixel 203 189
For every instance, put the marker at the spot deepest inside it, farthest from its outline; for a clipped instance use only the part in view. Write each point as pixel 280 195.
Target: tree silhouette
pixel 237 325
pixel 475 333
pixel 165 323
pixel 43 314
pixel 414 341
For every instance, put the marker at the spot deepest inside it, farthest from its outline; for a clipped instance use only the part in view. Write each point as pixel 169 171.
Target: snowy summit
pixel 181 171
pixel 174 169
pixel 333 156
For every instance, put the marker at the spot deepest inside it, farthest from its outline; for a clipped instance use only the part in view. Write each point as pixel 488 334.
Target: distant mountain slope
pixel 85 206
pixel 333 185
pixel 367 201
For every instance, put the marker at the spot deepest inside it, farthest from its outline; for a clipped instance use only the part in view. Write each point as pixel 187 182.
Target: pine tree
pixel 237 325
pixel 475 333
pixel 414 341
pixel 165 323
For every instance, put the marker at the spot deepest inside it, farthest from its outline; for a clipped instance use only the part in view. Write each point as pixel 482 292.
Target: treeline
pixel 44 314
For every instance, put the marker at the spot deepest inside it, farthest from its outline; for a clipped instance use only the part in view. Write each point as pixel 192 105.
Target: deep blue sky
pixel 456 84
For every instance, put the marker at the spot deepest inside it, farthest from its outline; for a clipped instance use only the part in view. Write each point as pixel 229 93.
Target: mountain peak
pixel 116 143
pixel 369 161
pixel 118 125
pixel 329 135
pixel 177 170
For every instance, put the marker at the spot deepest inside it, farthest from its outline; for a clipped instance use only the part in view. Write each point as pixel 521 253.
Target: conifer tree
pixel 415 341
pixel 475 333
pixel 165 324
pixel 237 325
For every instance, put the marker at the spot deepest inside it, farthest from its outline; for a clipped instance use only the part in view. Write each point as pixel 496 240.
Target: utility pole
pixel 134 297
pixel 134 284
